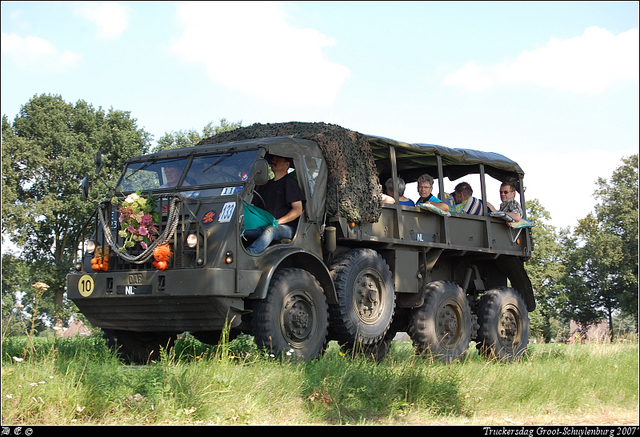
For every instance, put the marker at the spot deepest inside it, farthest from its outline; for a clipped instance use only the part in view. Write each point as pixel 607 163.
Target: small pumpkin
pixel 162 255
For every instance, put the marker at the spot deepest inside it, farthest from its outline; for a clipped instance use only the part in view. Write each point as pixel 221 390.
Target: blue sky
pixel 553 86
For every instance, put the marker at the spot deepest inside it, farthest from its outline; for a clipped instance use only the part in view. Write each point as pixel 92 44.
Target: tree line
pixel 587 274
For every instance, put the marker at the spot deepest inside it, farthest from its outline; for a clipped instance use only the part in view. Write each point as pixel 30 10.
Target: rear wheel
pixel 366 298
pixel 504 324
pixel 139 347
pixel 441 327
pixel 292 320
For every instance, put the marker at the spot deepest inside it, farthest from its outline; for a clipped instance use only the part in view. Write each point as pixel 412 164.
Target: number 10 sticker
pixel 85 285
pixel 227 212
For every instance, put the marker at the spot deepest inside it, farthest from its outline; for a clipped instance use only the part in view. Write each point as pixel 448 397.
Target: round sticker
pixel 207 219
pixel 85 286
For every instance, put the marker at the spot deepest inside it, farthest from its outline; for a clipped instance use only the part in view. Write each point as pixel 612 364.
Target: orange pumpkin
pixel 101 259
pixel 162 255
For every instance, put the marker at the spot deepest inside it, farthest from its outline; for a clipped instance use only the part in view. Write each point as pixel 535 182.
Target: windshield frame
pixel 194 176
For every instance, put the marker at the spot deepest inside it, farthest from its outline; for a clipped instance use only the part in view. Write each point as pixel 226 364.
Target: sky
pixel 552 86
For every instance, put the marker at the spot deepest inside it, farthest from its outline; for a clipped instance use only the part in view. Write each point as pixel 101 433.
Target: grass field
pixel 79 381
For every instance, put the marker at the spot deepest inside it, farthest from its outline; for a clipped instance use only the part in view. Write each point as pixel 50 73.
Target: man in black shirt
pixel 284 199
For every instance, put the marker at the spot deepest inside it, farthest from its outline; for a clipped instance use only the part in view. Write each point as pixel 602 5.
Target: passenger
pixel 425 187
pixel 465 202
pixel 509 203
pixel 283 198
pixel 390 198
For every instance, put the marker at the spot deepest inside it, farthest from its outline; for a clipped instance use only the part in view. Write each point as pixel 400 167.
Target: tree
pixel 618 214
pixel 601 278
pixel 545 269
pixel 14 279
pixel 46 151
pixel 190 138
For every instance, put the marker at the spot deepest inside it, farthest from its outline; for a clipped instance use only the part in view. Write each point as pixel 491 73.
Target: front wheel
pixel 292 320
pixel 441 327
pixel 504 324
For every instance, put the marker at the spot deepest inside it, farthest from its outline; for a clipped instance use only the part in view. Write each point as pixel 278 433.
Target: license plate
pixel 133 289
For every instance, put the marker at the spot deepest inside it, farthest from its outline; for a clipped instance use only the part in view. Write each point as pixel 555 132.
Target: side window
pixel 312 169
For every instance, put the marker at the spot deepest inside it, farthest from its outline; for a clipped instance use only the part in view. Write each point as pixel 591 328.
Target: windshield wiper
pixel 222 157
pixel 142 167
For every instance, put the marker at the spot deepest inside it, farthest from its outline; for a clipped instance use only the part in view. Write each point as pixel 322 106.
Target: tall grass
pixel 80 381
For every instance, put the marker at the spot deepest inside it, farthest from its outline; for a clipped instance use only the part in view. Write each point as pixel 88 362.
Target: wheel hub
pixel 447 324
pixel 367 298
pixel 508 327
pixel 297 319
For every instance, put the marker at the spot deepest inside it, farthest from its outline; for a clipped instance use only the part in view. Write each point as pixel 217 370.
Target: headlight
pixel 192 240
pixel 90 246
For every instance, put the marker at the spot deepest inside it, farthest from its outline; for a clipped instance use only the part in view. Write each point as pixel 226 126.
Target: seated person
pixel 509 203
pixel 425 187
pixel 284 199
pixel 465 202
pixel 390 198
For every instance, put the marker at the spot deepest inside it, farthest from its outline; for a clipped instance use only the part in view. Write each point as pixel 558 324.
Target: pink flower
pixel 142 231
pixel 146 220
pixel 144 245
pixel 131 229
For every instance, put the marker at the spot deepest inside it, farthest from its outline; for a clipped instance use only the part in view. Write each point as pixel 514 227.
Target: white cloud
pixel 110 18
pixel 585 64
pixel 250 47
pixel 37 54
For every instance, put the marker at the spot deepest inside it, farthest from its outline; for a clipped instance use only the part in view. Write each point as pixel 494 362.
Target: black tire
pixel 441 327
pixel 504 324
pixel 292 320
pixel 366 298
pixel 139 347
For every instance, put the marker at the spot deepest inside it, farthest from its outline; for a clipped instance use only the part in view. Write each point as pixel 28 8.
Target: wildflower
pixel 9 396
pixel 18 360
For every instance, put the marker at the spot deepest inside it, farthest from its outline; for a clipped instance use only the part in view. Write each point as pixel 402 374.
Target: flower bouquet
pixel 138 221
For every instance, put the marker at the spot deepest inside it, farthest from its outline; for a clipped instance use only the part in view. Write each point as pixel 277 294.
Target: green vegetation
pixel 80 381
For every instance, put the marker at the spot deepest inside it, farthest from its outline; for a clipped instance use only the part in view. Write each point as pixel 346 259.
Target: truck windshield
pixel 226 170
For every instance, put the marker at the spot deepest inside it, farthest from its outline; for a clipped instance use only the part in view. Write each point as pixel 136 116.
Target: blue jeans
pixel 264 235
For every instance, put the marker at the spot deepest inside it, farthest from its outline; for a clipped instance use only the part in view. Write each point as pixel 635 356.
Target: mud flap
pixel 513 268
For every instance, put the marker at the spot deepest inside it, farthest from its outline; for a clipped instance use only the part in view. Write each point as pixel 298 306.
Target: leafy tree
pixel 545 269
pixel 618 214
pixel 190 138
pixel 14 279
pixel 601 277
pixel 46 151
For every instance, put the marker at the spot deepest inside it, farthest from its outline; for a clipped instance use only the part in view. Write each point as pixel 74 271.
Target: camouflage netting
pixel 352 170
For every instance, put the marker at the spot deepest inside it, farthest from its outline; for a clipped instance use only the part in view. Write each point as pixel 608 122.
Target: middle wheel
pixel 441 327
pixel 366 298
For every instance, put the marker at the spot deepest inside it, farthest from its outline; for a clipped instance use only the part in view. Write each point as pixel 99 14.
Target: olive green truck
pixel 444 278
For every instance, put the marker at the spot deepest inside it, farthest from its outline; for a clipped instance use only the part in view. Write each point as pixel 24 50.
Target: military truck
pixel 444 278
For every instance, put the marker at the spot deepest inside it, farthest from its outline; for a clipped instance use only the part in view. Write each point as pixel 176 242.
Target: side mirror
pixel 98 162
pixel 84 187
pixel 261 171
